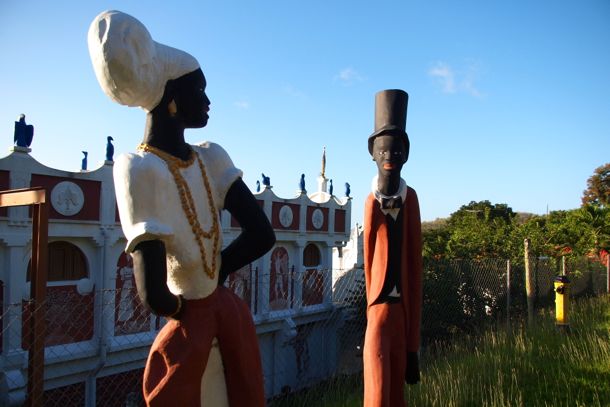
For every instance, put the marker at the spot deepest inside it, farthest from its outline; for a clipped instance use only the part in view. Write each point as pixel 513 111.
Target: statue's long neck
pixel 389 184
pixel 167 134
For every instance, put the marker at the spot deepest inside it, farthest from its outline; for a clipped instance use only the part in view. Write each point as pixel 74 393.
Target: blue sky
pixel 508 100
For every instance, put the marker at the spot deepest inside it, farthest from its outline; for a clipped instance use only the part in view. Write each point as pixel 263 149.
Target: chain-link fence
pixel 310 326
pixel 463 295
pixel 96 344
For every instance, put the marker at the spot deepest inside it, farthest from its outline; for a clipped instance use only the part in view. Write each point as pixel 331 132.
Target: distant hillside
pixel 439 223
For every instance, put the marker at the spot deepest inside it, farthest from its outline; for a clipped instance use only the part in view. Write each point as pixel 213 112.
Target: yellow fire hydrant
pixel 562 302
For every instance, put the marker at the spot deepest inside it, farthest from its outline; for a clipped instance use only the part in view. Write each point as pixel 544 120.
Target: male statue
pixel 392 261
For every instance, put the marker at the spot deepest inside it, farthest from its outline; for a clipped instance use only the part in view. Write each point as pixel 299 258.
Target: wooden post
pixel 529 284
pixel 37 198
pixel 38 288
pixel 507 294
pixel 608 273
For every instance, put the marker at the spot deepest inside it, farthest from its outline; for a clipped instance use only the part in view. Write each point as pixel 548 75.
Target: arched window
pixel 311 256
pixel 66 262
pixel 313 279
pixel 68 312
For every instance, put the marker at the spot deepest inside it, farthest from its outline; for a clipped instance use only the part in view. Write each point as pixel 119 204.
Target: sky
pixel 509 101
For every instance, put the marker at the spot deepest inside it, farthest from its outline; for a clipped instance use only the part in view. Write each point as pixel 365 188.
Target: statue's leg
pixel 240 352
pixel 398 355
pixel 213 385
pixel 375 355
pixel 178 358
pixel 381 345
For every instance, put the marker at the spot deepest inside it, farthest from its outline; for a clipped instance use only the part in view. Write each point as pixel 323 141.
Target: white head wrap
pixel 131 68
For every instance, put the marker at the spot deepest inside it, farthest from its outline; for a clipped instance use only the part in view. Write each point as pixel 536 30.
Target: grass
pixel 537 366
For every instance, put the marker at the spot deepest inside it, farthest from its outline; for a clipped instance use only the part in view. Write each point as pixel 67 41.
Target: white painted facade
pixel 289 290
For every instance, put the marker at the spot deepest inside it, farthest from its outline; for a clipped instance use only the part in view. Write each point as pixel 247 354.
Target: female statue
pixel 169 195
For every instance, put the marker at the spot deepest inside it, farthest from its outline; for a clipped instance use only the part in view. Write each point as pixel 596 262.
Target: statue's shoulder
pixel 411 192
pixel 138 164
pixel 209 149
pixel 370 205
pixel 213 154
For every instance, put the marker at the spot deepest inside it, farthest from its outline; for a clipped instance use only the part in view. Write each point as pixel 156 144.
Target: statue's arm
pixel 150 273
pixel 257 236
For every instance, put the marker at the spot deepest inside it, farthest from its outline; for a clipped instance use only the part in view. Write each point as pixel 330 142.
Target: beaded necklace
pixel 188 204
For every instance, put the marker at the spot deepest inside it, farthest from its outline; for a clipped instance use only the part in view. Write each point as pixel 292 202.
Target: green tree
pixel 483 210
pixel 596 219
pixel 480 229
pixel 598 187
pixel 533 228
pixel 579 232
pixel 435 241
pixel 486 230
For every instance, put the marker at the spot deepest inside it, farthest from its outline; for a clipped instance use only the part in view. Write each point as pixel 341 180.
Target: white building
pixel 98 334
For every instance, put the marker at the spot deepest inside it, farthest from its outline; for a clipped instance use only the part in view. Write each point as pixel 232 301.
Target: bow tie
pixel 391 203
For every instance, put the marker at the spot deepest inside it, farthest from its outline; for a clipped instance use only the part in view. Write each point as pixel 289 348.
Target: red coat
pixel 376 257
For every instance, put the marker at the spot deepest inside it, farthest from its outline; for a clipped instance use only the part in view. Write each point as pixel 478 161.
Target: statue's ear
pixel 163 107
pixel 172 108
pixel 169 93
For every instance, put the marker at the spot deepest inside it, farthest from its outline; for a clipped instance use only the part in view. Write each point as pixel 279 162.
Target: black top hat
pixel 390 116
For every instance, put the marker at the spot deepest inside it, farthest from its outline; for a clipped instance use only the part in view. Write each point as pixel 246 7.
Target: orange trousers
pixel 179 354
pixel 385 356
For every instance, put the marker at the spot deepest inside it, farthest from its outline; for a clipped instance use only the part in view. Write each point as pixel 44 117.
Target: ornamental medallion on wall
pixel 67 198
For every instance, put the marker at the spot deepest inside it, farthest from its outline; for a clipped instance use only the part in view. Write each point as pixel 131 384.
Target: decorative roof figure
pixel 330 188
pixel 24 133
pixel 302 184
pixel 109 149
pixel 323 162
pixel 266 181
pixel 347 189
pixel 83 163
pixel 258 186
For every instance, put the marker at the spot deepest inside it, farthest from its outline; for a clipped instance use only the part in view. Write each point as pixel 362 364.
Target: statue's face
pixel 389 153
pixel 192 103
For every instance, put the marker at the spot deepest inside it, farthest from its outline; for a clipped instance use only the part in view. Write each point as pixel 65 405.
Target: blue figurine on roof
pixel 83 163
pixel 109 149
pixel 347 189
pixel 266 181
pixel 24 133
pixel 302 184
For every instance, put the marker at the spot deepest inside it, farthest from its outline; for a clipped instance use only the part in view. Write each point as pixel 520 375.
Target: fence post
pixel 528 283
pixel 36 198
pixel 507 294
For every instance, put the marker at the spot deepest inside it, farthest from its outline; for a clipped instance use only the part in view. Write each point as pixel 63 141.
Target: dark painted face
pixel 192 103
pixel 389 153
